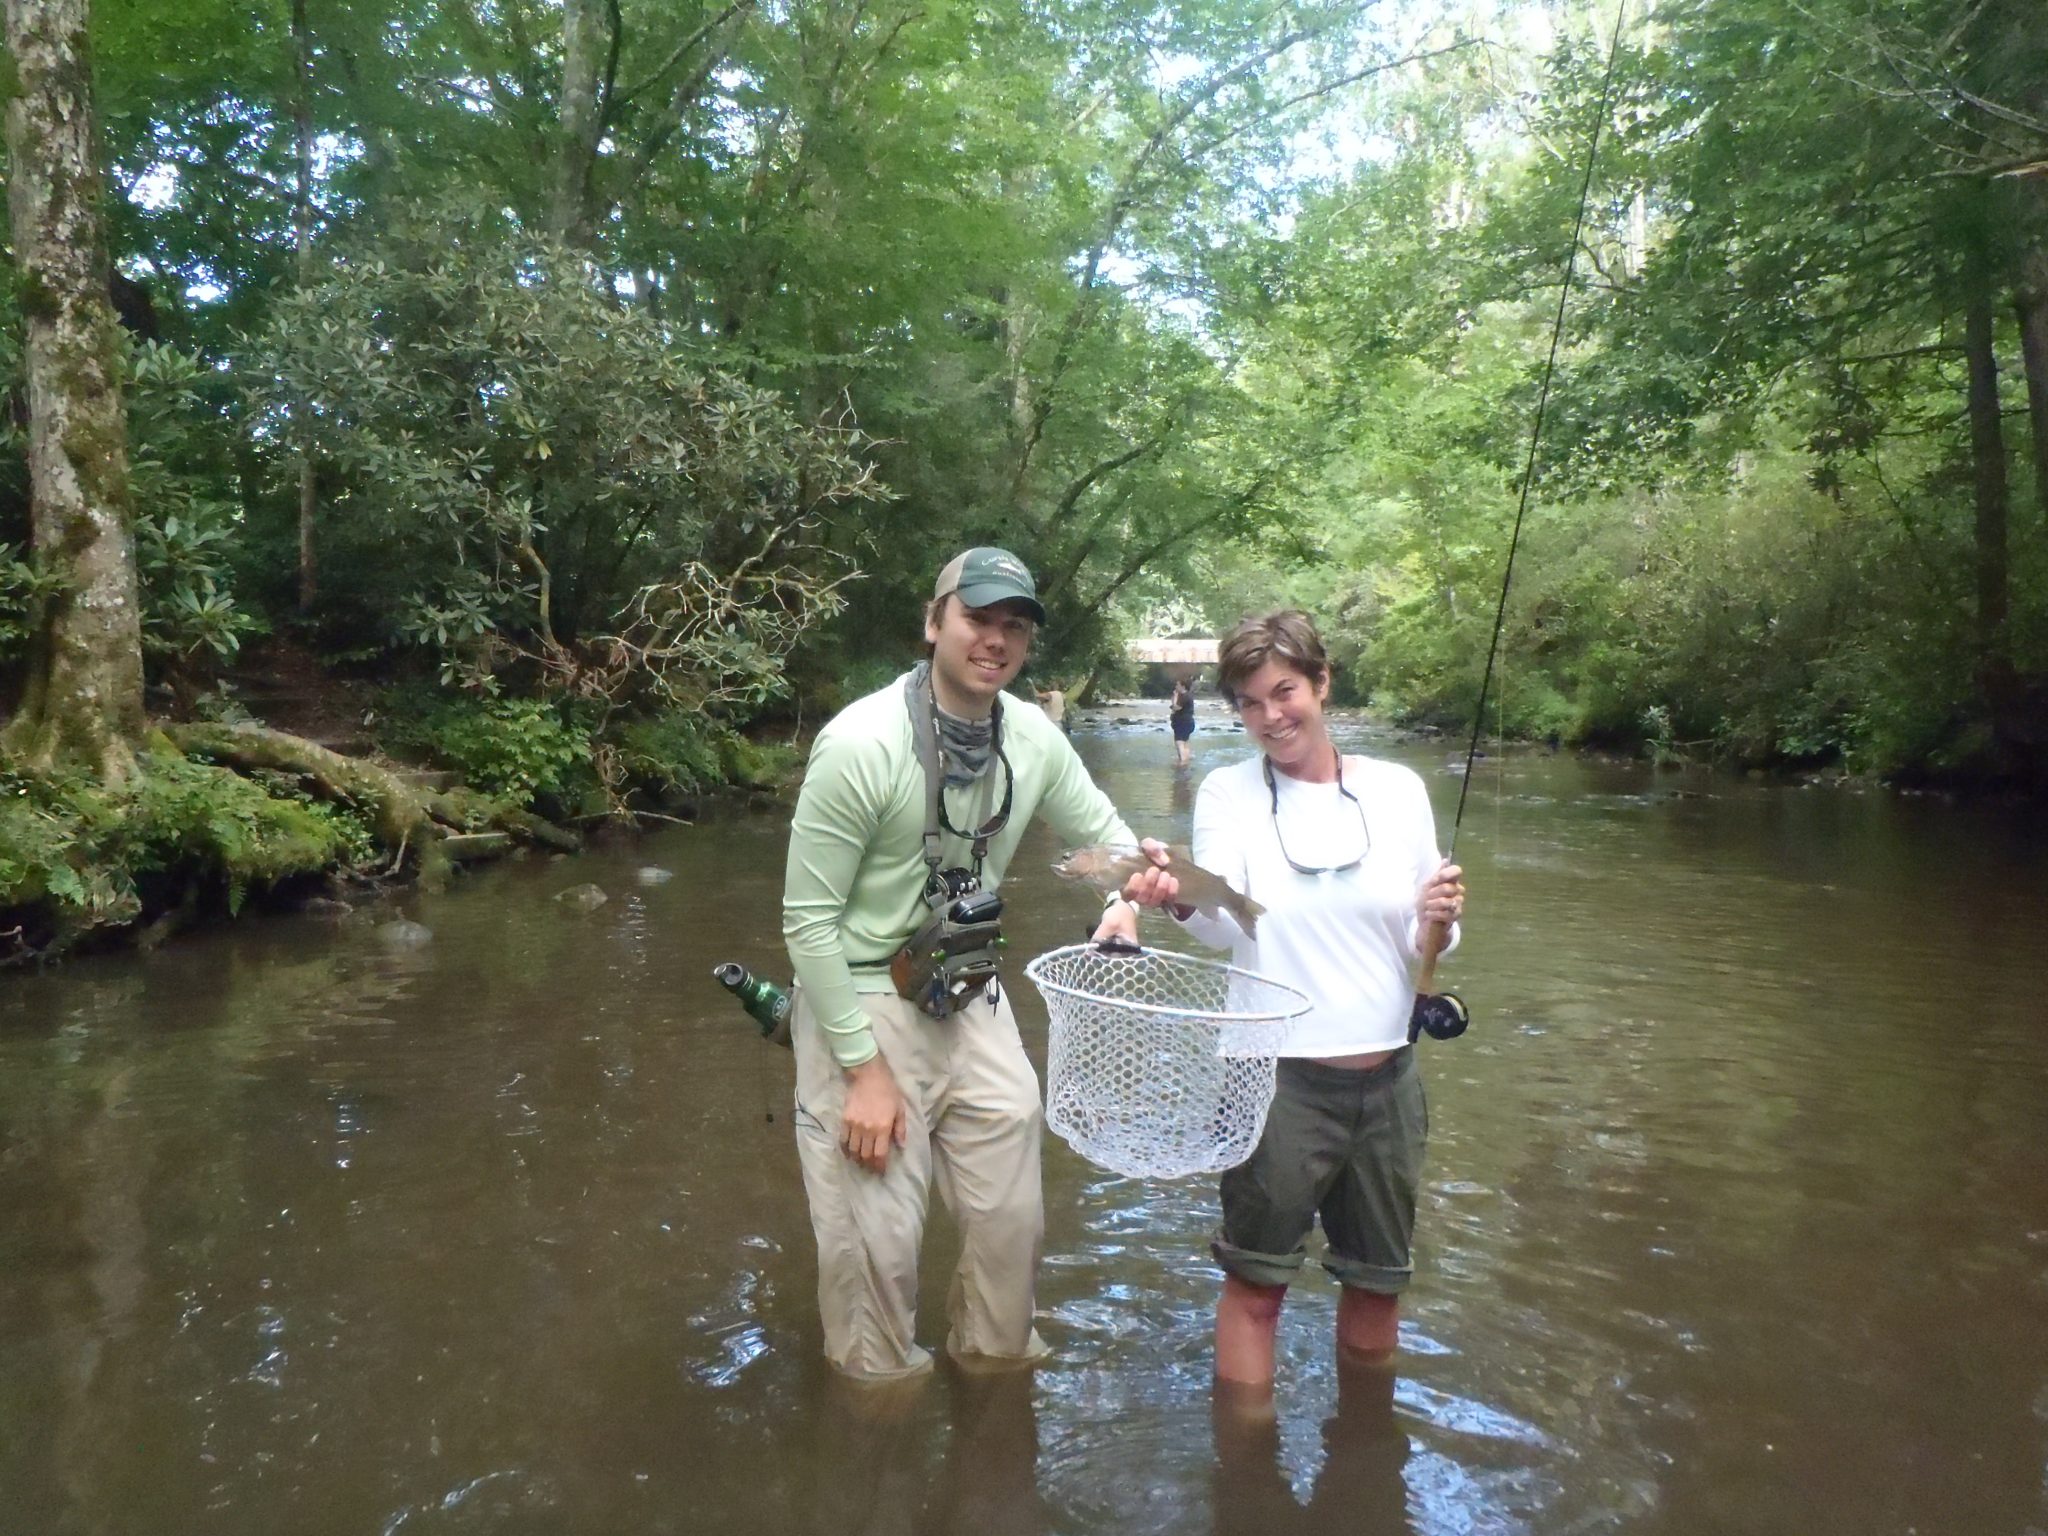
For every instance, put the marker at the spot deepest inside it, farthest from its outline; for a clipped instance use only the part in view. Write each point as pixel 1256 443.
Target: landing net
pixel 1160 1065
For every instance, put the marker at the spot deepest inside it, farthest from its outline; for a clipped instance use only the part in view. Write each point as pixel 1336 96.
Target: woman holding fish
pixel 1336 858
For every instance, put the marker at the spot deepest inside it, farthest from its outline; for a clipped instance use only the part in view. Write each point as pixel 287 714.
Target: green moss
pixel 34 297
pixel 758 765
pixel 98 451
pixel 88 371
pixel 85 853
pixel 182 817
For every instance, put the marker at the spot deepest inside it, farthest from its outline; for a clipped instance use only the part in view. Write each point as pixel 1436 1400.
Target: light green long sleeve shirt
pixel 853 889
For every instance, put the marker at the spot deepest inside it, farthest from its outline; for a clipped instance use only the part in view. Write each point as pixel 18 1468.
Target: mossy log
pixel 537 829
pixel 462 847
pixel 402 815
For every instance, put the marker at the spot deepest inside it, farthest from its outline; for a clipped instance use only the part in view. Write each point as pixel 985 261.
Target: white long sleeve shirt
pixel 1347 939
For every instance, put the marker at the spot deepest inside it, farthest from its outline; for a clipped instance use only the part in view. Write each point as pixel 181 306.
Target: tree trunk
pixel 2030 301
pixel 2005 52
pixel 83 704
pixel 582 45
pixel 302 231
pixel 1995 676
pixel 2032 304
pixel 1016 339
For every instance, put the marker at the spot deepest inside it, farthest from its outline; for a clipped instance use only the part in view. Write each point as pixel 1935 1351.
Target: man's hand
pixel 1119 921
pixel 1154 887
pixel 1443 896
pixel 875 1119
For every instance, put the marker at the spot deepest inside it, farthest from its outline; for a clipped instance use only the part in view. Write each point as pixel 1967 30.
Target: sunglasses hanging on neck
pixel 1273 789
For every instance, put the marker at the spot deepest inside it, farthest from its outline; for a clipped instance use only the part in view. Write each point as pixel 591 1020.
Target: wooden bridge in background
pixel 1198 652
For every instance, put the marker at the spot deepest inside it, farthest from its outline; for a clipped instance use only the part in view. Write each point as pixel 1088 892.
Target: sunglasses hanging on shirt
pixel 1273 789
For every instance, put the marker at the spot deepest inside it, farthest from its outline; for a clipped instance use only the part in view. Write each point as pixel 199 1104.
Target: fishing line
pixel 1443 1016
pixel 1536 432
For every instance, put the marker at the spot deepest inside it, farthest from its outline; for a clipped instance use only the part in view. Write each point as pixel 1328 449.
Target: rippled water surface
pixel 1736 1217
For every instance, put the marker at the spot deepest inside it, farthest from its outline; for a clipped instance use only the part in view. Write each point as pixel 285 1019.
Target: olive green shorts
pixel 1343 1143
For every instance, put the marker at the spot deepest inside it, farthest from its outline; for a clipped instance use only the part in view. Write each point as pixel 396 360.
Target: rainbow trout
pixel 1107 869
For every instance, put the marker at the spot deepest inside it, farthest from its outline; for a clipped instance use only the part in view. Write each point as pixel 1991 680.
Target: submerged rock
pixel 654 874
pixel 403 933
pixel 325 906
pixel 584 898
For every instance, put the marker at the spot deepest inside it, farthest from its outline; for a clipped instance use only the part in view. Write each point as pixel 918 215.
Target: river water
pixel 1736 1216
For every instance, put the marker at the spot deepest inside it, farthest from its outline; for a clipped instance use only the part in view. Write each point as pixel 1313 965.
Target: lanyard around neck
pixel 924 720
pixel 1273 789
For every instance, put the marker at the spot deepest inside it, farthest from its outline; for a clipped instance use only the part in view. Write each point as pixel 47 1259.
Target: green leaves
pixel 23 583
pixel 187 523
pixel 853 282
pixel 518 749
pixel 529 454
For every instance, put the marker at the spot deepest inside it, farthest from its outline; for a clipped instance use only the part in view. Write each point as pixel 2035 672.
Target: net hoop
pixel 1160 1065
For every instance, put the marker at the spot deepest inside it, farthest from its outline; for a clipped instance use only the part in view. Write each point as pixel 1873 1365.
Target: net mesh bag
pixel 1159 1065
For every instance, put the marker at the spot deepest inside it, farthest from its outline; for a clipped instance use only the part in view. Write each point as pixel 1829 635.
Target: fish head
pixel 1081 863
pixel 1099 864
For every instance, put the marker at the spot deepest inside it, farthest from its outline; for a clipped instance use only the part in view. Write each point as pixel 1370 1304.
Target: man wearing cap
pixel 890 1098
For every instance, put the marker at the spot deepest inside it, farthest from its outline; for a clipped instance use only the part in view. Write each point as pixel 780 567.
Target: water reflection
pixel 875 1472
pixel 1359 1488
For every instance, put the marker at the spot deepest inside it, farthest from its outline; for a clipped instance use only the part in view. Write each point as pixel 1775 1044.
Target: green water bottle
pixel 766 1003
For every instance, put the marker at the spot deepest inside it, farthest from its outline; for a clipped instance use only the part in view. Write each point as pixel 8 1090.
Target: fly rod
pixel 1434 934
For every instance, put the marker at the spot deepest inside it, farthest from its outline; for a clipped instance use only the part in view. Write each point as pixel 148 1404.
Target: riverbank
pixel 216 818
pixel 318 791
pixel 217 821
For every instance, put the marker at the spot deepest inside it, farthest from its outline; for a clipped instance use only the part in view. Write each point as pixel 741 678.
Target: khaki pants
pixel 975 1123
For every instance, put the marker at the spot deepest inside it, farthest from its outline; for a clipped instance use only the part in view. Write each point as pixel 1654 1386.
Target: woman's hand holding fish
pixel 1443 896
pixel 1157 886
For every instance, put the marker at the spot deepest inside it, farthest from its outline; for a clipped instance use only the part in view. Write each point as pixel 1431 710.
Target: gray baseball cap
pixel 986 576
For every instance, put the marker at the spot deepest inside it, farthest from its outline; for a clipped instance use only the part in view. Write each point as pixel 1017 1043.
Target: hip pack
pixel 953 954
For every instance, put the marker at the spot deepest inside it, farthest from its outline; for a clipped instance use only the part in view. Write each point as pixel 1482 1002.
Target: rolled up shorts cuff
pixel 1380 1279
pixel 1257 1268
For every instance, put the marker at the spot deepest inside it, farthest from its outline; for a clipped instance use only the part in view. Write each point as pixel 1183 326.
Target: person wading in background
pixel 1180 715
pixel 1054 702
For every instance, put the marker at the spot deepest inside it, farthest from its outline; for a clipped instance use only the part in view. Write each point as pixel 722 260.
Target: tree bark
pixel 1017 327
pixel 83 704
pixel 302 233
pixel 2030 302
pixel 1987 453
pixel 582 53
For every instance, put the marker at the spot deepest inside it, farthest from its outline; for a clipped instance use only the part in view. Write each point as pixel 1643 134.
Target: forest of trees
pixel 600 376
